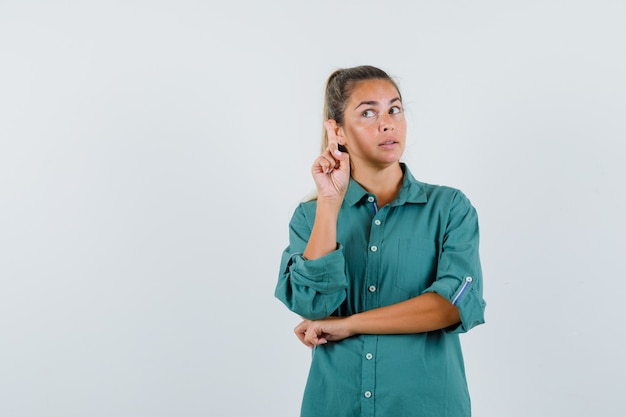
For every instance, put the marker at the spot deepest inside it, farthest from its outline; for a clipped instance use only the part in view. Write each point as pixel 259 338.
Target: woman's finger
pixel 327 162
pixel 301 330
pixel 315 336
pixel 333 140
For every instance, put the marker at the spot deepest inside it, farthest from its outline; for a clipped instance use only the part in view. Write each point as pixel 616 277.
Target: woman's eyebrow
pixel 374 102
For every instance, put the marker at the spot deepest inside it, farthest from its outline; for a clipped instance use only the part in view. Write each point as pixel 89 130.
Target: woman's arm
pixel 424 313
pixel 331 172
pixel 312 280
pixel 323 239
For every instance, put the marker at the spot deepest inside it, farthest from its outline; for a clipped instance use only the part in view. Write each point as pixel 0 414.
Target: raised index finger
pixel 333 141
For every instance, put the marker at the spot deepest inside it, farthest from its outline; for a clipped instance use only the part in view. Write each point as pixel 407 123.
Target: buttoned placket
pixel 370 342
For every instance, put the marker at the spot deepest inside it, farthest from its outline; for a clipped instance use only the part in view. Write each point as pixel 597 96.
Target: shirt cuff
pixel 325 274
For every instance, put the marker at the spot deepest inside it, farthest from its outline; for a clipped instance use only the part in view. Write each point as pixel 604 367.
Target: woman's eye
pixel 369 113
pixel 395 110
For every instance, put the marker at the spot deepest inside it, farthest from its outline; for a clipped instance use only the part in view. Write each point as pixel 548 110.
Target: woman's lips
pixel 388 143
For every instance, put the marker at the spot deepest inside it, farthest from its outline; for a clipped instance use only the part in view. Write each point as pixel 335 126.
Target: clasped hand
pixel 318 332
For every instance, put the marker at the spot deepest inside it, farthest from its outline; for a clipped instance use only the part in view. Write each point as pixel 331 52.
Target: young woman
pixel 383 269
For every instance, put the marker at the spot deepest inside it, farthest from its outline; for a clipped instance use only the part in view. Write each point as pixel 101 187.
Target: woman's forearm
pixel 323 239
pixel 424 313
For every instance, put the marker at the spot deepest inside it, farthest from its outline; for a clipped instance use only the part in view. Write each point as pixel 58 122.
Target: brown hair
pixel 340 85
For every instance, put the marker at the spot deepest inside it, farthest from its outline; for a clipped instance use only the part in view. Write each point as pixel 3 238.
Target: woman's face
pixel 374 128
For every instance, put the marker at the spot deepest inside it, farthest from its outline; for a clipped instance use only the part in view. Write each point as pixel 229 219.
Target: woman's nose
pixel 386 123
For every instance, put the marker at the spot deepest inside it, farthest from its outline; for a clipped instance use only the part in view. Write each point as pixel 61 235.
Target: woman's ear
pixel 341 135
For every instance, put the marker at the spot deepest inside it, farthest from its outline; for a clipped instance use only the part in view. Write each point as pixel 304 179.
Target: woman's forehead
pixel 376 90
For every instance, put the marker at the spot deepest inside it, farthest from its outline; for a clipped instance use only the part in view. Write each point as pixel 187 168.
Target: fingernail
pixel 337 152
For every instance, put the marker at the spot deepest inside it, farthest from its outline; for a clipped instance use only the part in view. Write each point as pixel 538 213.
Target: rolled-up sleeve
pixel 314 288
pixel 459 274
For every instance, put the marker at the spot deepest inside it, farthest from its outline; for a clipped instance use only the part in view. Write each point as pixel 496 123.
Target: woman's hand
pixel 331 170
pixel 318 332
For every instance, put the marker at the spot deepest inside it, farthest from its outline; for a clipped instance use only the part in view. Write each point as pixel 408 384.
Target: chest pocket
pixel 416 265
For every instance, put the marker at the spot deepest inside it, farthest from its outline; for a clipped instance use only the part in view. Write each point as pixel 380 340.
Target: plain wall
pixel 152 153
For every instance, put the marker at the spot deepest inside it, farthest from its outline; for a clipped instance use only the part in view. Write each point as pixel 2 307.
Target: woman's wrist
pixel 352 324
pixel 329 203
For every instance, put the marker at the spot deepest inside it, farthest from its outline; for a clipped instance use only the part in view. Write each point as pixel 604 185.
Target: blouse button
pixel 368 394
pixel 370 199
pixel 372 288
pixel 377 222
pixel 369 356
pixel 373 248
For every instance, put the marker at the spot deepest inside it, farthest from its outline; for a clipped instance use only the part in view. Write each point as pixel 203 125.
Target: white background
pixel 152 152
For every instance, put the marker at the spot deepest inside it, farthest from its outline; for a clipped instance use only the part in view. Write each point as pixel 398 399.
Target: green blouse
pixel 426 240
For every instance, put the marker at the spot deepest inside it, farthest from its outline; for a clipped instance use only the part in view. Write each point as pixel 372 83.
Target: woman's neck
pixel 383 183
